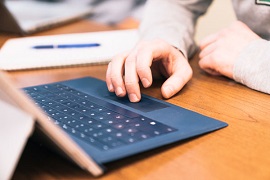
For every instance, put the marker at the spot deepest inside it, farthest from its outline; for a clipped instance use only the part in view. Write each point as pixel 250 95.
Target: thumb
pixel 180 76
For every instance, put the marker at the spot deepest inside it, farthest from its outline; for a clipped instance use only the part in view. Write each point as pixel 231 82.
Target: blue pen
pixel 62 46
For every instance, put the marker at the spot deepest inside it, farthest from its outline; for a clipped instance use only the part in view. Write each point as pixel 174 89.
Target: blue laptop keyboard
pixel 99 123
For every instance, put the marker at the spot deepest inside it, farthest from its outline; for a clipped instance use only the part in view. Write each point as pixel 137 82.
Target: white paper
pixel 18 53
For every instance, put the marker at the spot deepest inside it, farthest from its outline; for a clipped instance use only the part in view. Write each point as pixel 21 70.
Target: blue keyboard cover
pixel 97 122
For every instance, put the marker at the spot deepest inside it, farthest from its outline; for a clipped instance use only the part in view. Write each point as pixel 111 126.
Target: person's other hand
pixel 148 58
pixel 128 23
pixel 220 50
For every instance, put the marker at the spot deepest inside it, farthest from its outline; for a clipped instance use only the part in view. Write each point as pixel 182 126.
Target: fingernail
pixel 133 98
pixel 145 82
pixel 119 91
pixel 169 91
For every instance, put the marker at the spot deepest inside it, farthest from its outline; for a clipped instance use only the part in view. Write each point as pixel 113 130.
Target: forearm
pixel 252 68
pixel 173 21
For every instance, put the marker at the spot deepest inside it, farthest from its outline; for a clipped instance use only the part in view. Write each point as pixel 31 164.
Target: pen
pixel 62 46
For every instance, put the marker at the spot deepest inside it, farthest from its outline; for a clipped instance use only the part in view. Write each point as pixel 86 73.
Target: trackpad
pixel 145 105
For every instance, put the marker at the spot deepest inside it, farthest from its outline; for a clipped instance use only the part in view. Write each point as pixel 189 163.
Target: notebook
pixel 29 16
pixel 65 49
pixel 93 127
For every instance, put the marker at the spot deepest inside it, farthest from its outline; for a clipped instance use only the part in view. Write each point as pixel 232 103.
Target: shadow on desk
pixel 38 162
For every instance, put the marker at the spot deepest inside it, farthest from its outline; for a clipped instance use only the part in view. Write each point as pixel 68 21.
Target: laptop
pixel 30 16
pixel 92 127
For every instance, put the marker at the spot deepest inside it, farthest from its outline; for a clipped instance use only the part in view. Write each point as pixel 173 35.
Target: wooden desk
pixel 240 151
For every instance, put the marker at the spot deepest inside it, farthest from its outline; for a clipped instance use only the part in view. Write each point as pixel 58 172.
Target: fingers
pixel 208 46
pixel 207 50
pixel 131 78
pixel 207 60
pixel 220 51
pixel 137 68
pixel 207 67
pixel 114 75
pixel 143 68
pixel 208 40
pixel 126 70
pixel 108 78
pixel 132 65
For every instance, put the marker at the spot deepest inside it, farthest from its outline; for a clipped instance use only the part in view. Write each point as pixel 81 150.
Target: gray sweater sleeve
pixel 173 21
pixel 252 67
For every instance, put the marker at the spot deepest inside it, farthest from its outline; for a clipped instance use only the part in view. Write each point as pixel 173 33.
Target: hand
pixel 220 50
pixel 158 57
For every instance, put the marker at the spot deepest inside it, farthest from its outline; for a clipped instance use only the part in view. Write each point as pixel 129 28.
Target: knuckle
pixel 130 83
pixel 130 60
pixel 214 57
pixel 131 86
pixel 141 69
pixel 118 57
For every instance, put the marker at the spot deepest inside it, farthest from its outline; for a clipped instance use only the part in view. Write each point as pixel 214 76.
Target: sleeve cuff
pixel 252 67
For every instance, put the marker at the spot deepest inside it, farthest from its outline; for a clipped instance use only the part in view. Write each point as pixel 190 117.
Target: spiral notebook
pixel 66 49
